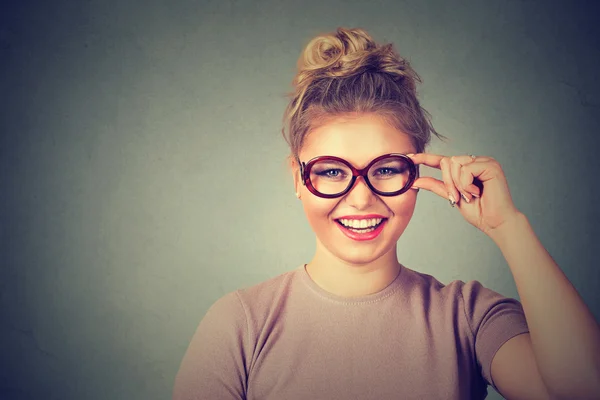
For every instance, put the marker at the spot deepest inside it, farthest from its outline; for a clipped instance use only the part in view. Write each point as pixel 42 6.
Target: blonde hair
pixel 346 72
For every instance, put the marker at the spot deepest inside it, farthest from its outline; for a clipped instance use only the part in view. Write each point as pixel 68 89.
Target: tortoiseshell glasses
pixel 330 177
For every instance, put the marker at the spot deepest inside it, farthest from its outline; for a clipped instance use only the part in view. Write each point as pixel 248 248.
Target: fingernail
pixel 410 155
pixel 451 200
pixel 414 188
pixel 474 195
pixel 464 197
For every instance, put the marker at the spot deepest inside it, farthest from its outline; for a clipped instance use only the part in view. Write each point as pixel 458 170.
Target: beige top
pixel 287 338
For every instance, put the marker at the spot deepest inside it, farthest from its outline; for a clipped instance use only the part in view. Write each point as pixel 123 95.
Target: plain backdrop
pixel 143 172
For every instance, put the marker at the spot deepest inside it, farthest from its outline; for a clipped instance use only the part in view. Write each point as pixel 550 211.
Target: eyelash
pixel 326 173
pixel 393 170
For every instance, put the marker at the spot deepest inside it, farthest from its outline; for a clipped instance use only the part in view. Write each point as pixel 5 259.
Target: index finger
pixel 428 159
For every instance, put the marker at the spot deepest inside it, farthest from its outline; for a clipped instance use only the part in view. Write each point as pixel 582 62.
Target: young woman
pixel 354 323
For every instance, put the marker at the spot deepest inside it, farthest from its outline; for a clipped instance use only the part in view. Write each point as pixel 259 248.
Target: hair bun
pixel 326 50
pixel 347 52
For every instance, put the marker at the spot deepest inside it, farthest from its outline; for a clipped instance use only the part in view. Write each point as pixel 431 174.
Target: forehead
pixel 356 139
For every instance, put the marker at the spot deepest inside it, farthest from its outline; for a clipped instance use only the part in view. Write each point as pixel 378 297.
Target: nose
pixel 360 195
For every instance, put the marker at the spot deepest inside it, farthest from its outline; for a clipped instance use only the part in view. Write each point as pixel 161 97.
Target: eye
pixel 331 173
pixel 386 171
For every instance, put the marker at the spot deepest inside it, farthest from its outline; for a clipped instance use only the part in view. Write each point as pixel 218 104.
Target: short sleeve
pixel 214 365
pixel 493 319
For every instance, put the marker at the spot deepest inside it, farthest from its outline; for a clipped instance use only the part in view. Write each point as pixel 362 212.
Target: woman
pixel 354 323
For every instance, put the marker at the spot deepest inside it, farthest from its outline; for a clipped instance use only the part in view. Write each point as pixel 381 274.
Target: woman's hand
pixel 477 186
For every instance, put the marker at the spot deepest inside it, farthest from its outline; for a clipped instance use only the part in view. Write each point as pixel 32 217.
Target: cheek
pixel 403 208
pixel 406 205
pixel 318 210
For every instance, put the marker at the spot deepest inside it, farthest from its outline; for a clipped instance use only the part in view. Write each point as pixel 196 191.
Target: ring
pixel 472 156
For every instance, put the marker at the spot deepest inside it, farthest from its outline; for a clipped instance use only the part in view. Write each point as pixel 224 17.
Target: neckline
pixel 368 298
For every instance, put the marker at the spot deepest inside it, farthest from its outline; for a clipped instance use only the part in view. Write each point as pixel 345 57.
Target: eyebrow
pixel 405 152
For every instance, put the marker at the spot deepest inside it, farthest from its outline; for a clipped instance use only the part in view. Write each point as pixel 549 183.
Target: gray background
pixel 130 131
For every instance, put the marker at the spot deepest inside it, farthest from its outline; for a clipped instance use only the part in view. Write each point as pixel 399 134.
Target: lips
pixel 366 216
pixel 362 236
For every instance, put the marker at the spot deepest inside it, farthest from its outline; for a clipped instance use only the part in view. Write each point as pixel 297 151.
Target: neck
pixel 347 279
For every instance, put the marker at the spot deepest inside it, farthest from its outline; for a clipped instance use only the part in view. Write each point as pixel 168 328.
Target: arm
pixel 564 336
pixel 561 354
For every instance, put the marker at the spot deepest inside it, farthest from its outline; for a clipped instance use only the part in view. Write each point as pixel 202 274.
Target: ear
pixel 295 170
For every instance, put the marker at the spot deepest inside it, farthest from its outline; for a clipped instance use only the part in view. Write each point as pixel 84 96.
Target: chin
pixel 360 260
pixel 358 253
pixel 365 257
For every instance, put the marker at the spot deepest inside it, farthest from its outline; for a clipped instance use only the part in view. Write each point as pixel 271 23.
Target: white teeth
pixel 363 230
pixel 362 223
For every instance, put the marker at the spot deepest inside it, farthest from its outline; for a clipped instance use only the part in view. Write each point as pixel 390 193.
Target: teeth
pixel 363 230
pixel 362 223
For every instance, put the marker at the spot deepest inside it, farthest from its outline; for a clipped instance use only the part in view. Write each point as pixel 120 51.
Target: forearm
pixel 564 334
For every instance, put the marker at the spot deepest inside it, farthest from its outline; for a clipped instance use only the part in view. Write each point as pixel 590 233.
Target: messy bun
pixel 347 72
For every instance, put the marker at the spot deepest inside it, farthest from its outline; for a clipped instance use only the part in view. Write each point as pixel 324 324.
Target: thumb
pixel 433 185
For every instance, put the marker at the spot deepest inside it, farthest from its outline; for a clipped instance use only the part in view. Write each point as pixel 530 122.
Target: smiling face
pixel 358 140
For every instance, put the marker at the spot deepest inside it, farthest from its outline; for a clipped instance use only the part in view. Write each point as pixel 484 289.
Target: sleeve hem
pixel 512 335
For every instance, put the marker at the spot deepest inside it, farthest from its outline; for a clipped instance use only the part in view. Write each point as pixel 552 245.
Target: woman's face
pixel 357 140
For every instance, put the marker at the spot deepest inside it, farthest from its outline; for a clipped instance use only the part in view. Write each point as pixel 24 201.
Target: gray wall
pixel 129 131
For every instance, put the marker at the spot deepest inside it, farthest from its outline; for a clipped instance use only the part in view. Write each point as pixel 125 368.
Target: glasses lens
pixel 330 177
pixel 390 174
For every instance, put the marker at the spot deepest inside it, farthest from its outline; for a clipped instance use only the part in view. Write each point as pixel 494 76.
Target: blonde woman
pixel 354 323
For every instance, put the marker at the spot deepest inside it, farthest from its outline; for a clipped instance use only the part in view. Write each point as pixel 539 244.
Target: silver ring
pixel 472 156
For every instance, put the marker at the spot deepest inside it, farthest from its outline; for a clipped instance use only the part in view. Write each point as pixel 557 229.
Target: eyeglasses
pixel 330 177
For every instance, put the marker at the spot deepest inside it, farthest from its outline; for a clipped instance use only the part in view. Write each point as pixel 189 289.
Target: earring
pixel 297 195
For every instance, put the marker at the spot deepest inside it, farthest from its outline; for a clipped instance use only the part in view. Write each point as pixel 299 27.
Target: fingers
pixel 433 185
pixel 452 192
pixel 459 176
pixel 455 174
pixel 463 178
pixel 433 160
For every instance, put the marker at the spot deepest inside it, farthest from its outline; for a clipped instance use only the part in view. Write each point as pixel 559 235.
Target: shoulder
pixel 255 300
pixel 222 349
pixel 236 314
pixel 484 307
pixel 265 292
pixel 422 284
pixel 479 305
pixel 467 291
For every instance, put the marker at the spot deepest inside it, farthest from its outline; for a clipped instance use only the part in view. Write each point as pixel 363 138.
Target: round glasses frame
pixel 306 167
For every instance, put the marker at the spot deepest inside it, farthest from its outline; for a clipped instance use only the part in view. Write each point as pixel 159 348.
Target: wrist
pixel 516 223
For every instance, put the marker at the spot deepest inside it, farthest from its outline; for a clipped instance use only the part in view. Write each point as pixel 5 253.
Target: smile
pixel 361 225
pixel 363 229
